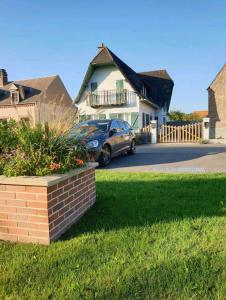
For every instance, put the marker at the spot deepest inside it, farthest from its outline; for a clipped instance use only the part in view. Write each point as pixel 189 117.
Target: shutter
pixel 134 120
pixel 143 120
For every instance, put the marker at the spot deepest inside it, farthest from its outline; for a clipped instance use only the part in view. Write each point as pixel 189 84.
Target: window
pixel 93 86
pixel 144 90
pixel 15 97
pixel 126 126
pixel 119 85
pixel 102 116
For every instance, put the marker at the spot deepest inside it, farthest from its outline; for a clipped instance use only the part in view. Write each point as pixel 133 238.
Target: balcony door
pixel 94 97
pixel 119 91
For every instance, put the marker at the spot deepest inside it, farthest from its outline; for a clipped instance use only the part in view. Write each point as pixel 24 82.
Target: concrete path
pixel 173 158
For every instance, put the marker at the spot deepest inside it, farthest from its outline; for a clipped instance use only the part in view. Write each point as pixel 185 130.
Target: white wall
pixel 106 79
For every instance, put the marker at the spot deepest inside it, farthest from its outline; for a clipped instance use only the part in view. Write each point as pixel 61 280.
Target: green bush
pixel 37 151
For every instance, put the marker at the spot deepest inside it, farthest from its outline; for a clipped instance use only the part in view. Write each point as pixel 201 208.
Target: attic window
pixel 15 97
pixel 144 90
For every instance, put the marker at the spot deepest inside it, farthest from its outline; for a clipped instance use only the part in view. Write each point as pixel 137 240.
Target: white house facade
pixel 111 89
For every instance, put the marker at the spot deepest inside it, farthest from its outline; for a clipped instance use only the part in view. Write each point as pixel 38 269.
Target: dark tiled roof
pixel 33 88
pixel 159 84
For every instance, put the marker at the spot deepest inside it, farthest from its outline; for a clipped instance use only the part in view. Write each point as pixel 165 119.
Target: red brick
pixel 32 204
pixel 37 233
pixel 16 203
pixel 2 187
pixel 57 193
pixel 7 195
pixel 43 226
pixel 42 197
pixel 68 187
pixel 8 209
pixel 8 223
pixel 27 225
pixel 15 188
pixel 62 184
pixel 25 196
pixel 2 202
pixel 3 216
pixel 8 237
pixel 63 197
pixel 18 231
pixel 52 188
pixel 4 229
pixel 36 189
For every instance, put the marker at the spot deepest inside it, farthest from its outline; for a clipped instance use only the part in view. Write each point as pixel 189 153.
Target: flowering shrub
pixel 37 151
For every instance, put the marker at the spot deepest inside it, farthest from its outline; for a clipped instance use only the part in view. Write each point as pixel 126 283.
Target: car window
pixel 115 125
pixel 121 125
pixel 126 125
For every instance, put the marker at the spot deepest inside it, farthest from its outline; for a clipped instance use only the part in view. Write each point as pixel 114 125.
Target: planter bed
pixel 40 209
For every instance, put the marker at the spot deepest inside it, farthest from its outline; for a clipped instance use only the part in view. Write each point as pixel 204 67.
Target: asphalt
pixel 173 158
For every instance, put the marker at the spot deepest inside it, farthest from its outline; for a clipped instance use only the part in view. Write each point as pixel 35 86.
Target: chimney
pixel 101 46
pixel 3 77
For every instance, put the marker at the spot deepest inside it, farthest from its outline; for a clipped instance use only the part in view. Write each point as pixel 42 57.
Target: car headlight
pixel 92 144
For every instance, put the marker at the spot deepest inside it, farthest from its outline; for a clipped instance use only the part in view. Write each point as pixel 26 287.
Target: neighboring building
pixel 111 89
pixel 22 99
pixel 217 105
pixel 200 113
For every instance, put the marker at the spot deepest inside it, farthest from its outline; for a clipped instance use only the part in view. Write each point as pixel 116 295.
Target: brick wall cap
pixel 45 180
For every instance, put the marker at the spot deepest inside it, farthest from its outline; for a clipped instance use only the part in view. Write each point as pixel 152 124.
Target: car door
pixel 127 136
pixel 115 139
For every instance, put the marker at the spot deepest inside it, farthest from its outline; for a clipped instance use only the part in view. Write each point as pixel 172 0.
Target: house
pixel 31 99
pixel 200 113
pixel 111 89
pixel 217 105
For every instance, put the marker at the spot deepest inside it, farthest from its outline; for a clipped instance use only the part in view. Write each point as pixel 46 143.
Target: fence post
pixel 154 132
pixel 206 128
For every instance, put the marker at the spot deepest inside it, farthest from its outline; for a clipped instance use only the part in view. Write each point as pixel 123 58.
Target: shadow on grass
pixel 139 199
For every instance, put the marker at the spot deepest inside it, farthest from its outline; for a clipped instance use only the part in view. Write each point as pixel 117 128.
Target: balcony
pixel 111 98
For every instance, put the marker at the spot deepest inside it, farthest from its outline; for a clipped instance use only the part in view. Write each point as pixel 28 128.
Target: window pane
pixel 102 116
pixel 93 86
pixel 119 84
pixel 113 116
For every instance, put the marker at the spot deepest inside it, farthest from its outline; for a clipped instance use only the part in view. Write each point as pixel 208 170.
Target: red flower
pixel 55 166
pixel 79 162
pixel 83 142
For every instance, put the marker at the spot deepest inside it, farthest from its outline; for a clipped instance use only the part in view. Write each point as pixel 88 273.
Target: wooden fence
pixel 190 133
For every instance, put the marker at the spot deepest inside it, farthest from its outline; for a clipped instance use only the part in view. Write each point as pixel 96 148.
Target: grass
pixel 149 236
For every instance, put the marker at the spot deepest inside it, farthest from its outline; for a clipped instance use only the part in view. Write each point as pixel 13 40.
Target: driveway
pixel 173 158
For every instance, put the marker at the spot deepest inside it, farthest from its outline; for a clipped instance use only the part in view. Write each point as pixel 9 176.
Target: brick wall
pixel 41 213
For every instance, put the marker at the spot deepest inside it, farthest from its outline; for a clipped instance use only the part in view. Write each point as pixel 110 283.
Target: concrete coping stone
pixel 45 180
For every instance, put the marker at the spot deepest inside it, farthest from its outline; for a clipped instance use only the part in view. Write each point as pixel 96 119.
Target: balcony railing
pixel 111 98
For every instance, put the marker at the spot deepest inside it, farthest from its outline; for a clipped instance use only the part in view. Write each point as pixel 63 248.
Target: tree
pixel 177 115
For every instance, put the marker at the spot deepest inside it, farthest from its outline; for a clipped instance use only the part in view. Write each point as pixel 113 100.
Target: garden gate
pixel 191 133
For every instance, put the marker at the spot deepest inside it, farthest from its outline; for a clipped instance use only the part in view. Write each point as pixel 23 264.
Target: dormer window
pixel 15 98
pixel 144 90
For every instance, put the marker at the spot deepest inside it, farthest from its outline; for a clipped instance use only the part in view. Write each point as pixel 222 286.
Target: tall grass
pixel 59 117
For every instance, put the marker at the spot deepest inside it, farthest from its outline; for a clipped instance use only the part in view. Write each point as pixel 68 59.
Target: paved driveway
pixel 173 158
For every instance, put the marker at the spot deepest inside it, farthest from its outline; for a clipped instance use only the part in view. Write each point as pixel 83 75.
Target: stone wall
pixel 217 105
pixel 40 209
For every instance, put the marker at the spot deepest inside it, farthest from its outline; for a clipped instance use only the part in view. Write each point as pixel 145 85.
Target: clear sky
pixel 47 37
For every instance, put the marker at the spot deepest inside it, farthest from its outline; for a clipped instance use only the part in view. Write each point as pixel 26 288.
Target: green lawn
pixel 149 236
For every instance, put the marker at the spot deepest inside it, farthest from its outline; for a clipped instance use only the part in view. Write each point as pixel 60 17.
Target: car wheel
pixel 132 148
pixel 105 156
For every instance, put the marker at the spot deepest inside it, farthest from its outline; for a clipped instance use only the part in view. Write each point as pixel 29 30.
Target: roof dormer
pixel 14 94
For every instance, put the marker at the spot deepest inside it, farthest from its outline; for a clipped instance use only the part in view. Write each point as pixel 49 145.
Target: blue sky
pixel 188 38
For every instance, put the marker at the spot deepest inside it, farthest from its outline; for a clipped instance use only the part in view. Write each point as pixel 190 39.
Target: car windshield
pixel 89 127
